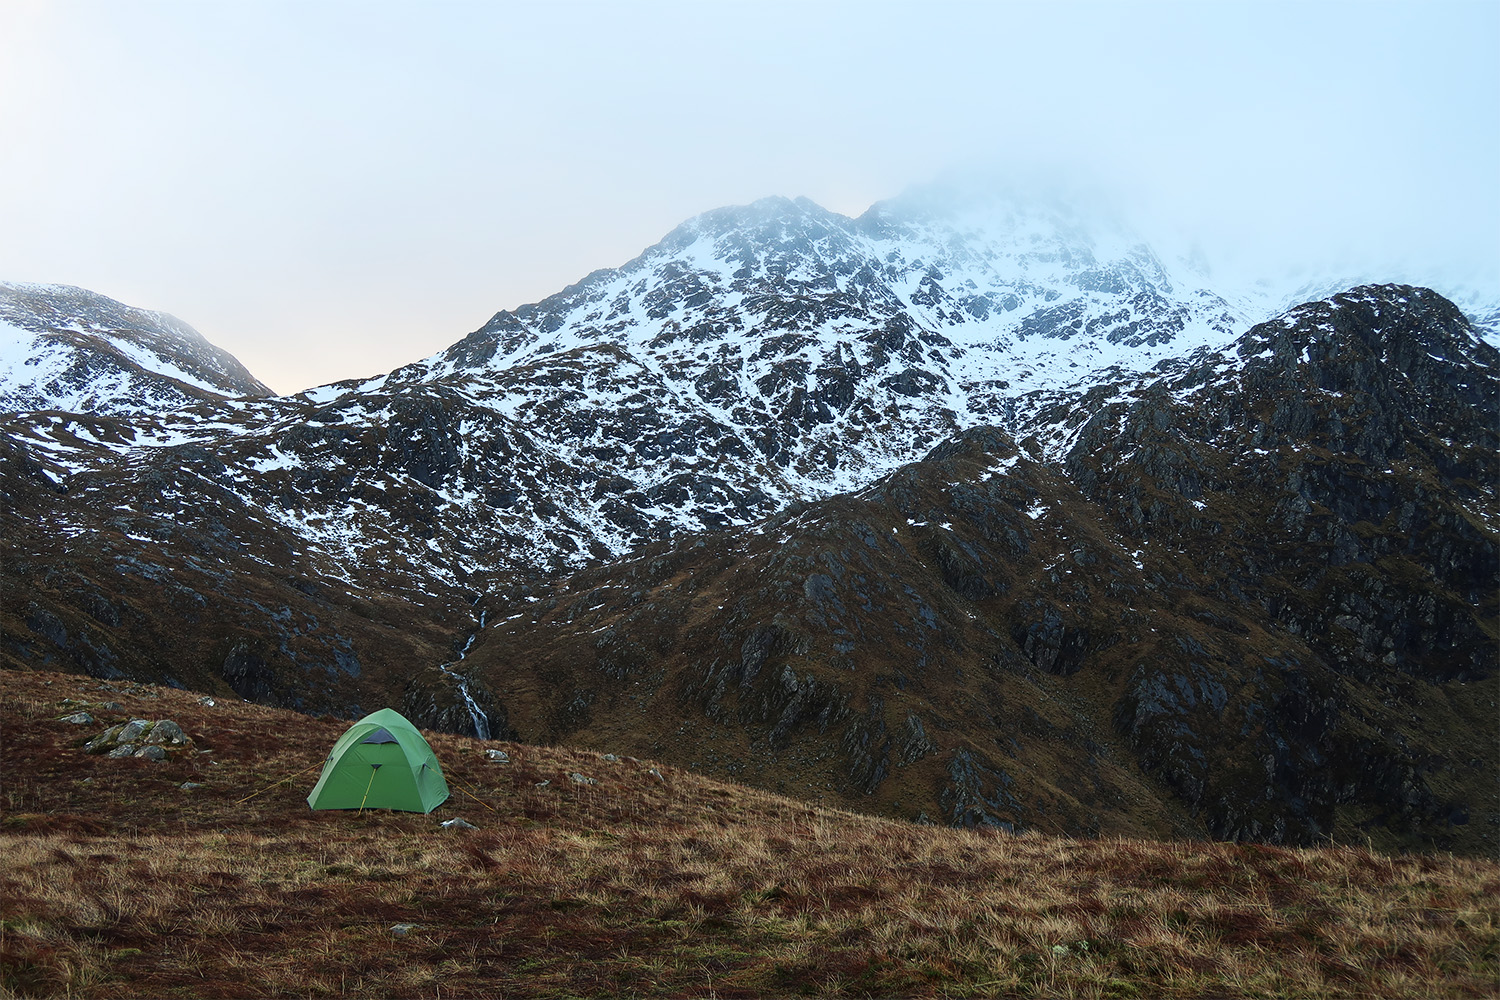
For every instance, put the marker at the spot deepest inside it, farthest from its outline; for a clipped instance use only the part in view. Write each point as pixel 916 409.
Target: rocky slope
pixel 972 514
pixel 1256 599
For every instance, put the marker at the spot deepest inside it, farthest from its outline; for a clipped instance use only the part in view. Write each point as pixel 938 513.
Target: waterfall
pixel 481 721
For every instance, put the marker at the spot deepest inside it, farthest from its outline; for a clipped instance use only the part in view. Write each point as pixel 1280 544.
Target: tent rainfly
pixel 381 762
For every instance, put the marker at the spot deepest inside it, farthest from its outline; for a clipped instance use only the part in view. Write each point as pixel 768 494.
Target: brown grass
pixel 116 882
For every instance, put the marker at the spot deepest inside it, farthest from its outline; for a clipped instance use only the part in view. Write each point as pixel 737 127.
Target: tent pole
pixel 373 769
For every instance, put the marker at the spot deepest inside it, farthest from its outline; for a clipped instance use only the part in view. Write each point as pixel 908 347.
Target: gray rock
pixel 105 740
pixel 133 730
pixel 913 743
pixel 609 757
pixel 657 775
pixel 125 750
pixel 112 706
pixel 978 794
pixel 78 719
pixel 151 753
pixel 582 779
pixel 544 783
pixel 457 823
pixel 498 756
pixel 206 700
pixel 188 786
pixel 167 731
pixel 401 930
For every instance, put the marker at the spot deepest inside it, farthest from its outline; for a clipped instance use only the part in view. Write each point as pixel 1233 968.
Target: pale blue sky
pixel 329 190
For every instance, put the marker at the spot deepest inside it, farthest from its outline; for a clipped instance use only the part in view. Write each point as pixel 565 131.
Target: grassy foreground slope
pixel 116 881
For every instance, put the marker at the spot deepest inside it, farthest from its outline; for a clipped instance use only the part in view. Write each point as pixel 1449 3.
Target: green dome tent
pixel 381 762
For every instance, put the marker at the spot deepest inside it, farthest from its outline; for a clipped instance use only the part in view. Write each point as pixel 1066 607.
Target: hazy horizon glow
pixel 330 190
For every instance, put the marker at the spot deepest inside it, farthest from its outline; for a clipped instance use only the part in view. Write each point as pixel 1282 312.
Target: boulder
pixel 105 741
pixel 133 730
pixel 167 731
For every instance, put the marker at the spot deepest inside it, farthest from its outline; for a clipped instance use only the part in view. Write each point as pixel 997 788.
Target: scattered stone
pixel 609 757
pixel 583 779
pixel 151 753
pixel 112 706
pixel 457 823
pixel 137 731
pixel 544 783
pixel 188 786
pixel 78 719
pixel 206 700
pixel 125 750
pixel 498 756
pixel 657 775
pixel 401 930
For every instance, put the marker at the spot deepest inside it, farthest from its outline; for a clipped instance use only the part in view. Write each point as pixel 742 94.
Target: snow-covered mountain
pixel 756 357
pixel 806 333
pixel 788 484
pixel 1265 577
pixel 69 349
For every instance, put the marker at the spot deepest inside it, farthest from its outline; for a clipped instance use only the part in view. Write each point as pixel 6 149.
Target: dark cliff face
pixel 1250 593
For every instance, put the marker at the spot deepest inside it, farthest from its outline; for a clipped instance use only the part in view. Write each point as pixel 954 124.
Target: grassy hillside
pixel 116 881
